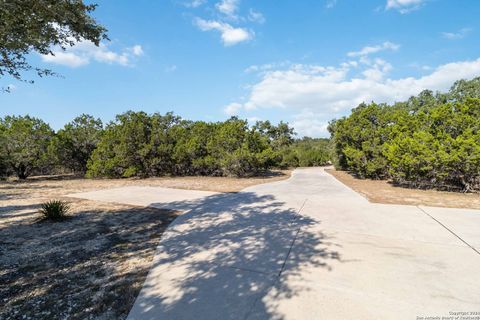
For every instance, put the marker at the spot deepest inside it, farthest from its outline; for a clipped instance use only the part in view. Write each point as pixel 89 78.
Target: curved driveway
pixel 311 248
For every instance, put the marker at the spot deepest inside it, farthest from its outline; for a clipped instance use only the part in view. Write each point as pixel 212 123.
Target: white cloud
pixel 462 33
pixel 251 69
pixel 404 6
pixel 227 18
pixel 232 109
pixel 194 3
pixel 256 16
pixel 69 59
pixel 309 123
pixel 228 7
pixel 230 35
pixel 365 51
pixel 331 3
pixel 261 69
pixel 171 68
pixel 321 93
pixel 137 50
pixel 83 52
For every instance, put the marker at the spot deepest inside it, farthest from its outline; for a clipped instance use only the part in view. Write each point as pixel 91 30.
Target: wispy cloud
pixel 387 45
pixel 232 109
pixel 255 16
pixel 266 67
pixel 227 18
pixel 137 50
pixel 330 4
pixel 83 52
pixel 404 6
pixel 171 68
pixel 228 8
pixel 194 3
pixel 462 33
pixel 230 35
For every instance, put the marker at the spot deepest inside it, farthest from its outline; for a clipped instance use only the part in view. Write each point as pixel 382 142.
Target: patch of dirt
pixel 59 185
pixel 93 264
pixel 381 191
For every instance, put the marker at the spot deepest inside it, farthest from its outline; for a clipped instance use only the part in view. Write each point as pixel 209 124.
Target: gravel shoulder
pixel 380 191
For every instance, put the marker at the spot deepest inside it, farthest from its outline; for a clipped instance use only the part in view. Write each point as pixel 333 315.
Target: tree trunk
pixel 22 172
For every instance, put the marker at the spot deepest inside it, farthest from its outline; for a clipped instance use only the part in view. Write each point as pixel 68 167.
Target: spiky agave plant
pixel 55 209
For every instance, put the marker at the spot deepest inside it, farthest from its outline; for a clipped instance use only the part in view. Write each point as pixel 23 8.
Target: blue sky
pixel 303 61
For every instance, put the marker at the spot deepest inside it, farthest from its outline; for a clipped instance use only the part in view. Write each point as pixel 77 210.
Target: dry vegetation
pixel 93 264
pixel 381 191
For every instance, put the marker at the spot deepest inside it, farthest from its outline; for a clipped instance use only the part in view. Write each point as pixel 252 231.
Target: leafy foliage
pixel 137 144
pixel 432 140
pixel 307 152
pixel 37 25
pixel 142 145
pixel 3 155
pixel 25 145
pixel 359 140
pixel 55 210
pixel 74 144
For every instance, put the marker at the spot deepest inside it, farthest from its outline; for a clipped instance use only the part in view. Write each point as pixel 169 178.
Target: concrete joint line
pixel 293 241
pixel 449 230
pixel 250 270
pixel 247 315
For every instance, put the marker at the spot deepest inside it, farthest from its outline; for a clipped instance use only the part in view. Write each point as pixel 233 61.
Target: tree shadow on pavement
pixel 218 260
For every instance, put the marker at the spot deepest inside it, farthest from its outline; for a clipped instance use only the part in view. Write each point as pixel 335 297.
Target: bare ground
pixel 93 264
pixel 381 191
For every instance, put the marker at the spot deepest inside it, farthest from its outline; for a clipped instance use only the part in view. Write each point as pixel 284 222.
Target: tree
pixel 36 25
pixel 359 139
pixel 161 147
pixel 124 148
pixel 26 141
pixel 75 143
pixel 463 89
pixel 191 155
pixel 443 151
pixel 136 145
pixel 432 140
pixel 279 136
pixel 312 152
pixel 306 152
pixel 142 145
pixel 231 150
pixel 425 99
pixel 3 155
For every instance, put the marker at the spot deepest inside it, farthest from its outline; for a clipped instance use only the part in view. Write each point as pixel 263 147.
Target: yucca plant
pixel 55 209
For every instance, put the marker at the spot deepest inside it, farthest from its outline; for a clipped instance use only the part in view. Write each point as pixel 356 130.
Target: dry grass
pixel 93 264
pixel 379 191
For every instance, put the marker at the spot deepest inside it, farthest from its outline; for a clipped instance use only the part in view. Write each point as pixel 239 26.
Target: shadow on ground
pixel 219 260
pixel 89 266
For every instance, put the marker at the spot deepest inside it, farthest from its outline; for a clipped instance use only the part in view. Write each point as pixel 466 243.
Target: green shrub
pixel 429 141
pixel 306 152
pixel 55 210
pixel 74 144
pixel 137 144
pixel 24 145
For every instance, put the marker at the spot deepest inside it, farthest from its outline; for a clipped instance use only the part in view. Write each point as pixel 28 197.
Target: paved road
pixel 311 248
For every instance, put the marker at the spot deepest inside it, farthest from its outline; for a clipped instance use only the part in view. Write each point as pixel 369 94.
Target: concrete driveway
pixel 311 248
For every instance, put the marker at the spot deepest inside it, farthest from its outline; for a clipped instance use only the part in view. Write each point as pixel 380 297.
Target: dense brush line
pixel 137 144
pixel 429 141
